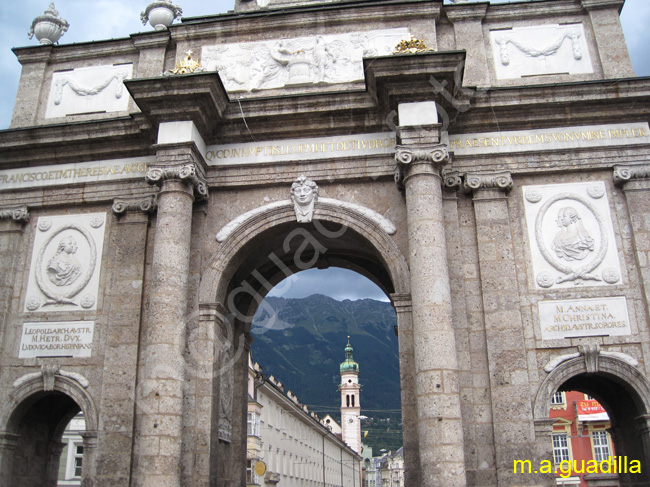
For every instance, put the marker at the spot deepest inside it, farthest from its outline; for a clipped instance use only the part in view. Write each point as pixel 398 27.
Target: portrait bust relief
pixel 66 258
pixel 572 240
pixel 63 268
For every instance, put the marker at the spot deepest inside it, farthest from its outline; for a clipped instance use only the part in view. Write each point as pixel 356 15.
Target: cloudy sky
pixel 106 19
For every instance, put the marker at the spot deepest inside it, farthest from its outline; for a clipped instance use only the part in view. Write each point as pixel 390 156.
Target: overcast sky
pixel 105 19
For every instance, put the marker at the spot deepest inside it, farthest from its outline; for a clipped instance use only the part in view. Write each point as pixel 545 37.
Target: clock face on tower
pixel 351 420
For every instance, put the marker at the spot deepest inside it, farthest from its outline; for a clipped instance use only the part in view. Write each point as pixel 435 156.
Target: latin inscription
pixel 73 339
pixel 302 149
pixel 99 171
pixel 584 317
pixel 549 139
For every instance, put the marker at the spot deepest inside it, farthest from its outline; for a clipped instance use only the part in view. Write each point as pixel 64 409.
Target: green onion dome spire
pixel 349 365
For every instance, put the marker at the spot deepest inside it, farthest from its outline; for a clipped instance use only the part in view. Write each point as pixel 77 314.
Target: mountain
pixel 301 342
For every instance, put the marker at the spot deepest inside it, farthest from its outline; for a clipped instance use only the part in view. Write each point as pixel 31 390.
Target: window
pixel 557 399
pixel 560 447
pixel 78 459
pixel 601 445
pixel 253 425
pixel 251 478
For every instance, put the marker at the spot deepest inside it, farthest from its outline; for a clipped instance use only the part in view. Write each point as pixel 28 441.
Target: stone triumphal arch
pixel 486 165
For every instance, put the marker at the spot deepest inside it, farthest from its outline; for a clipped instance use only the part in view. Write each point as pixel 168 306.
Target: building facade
pixel 487 165
pixel 581 441
pixel 287 445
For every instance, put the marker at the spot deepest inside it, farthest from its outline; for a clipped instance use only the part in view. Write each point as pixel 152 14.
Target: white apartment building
pixel 287 444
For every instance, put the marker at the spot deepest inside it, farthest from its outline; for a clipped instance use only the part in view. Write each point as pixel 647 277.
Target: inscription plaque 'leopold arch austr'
pixel 475 161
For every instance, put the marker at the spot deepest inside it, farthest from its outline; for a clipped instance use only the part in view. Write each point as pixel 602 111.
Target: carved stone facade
pixel 144 216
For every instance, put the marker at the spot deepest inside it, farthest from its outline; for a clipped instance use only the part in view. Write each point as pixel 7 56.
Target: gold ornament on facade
pixel 187 65
pixel 411 46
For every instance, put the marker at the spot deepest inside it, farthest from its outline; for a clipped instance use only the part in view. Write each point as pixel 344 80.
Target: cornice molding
pixel 463 13
pixel 603 4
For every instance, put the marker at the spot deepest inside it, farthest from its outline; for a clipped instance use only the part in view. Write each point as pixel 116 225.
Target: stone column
pixel 643 429
pixel 512 414
pixel 90 451
pixel 159 400
pixel 440 432
pixel 634 180
pixel 612 48
pixel 53 462
pixel 404 311
pixel 544 448
pixel 124 300
pixel 12 226
pixel 468 30
pixel 8 444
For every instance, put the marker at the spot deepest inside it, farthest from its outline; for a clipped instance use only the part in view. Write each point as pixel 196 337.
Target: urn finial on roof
pixel 49 27
pixel 161 14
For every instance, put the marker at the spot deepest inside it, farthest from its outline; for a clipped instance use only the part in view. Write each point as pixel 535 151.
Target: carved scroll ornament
pixel 17 214
pixel 145 205
pixel 499 181
pixel 625 173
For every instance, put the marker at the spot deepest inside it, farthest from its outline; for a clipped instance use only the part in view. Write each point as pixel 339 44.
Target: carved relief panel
pixel 299 61
pixel 540 49
pixel 89 90
pixel 571 235
pixel 65 264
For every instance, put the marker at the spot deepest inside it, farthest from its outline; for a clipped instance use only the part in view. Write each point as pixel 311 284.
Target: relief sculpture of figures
pixel 572 241
pixel 63 268
pixel 304 193
pixel 299 61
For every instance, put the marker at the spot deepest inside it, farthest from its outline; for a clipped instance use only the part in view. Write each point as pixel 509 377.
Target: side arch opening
pixel 624 393
pixel 32 424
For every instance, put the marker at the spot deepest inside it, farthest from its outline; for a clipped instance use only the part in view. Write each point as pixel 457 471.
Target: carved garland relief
pixel 64 272
pixel 571 235
pixel 540 49
pixel 90 89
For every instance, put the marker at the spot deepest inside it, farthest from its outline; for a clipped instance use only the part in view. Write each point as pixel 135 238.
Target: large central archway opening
pixel 265 250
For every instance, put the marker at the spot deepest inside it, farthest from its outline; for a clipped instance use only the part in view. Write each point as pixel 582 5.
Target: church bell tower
pixel 350 403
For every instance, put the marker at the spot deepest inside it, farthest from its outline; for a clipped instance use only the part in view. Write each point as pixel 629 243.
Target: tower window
pixel 352 401
pixel 347 398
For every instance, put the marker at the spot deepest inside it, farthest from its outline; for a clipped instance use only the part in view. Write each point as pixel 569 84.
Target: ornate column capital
pixel 438 155
pixel 626 173
pixel 146 205
pixel 17 214
pixel 452 179
pixel 187 172
pixel 427 158
pixel 501 181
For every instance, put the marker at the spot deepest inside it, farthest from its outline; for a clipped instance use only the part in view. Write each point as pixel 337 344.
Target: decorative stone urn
pixel 49 27
pixel 161 14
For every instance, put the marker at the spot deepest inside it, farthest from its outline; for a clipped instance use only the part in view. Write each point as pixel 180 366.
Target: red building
pixel 580 439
